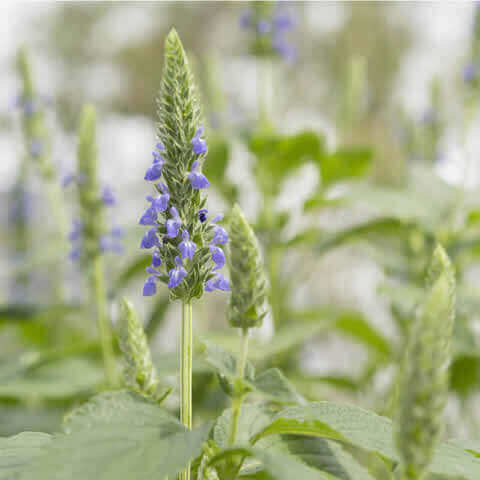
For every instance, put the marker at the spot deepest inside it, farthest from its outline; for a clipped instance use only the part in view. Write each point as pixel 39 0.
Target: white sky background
pixel 442 32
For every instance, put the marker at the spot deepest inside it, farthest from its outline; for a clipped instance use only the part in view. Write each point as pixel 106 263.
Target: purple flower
pixel 470 73
pixel 149 217
pixel 155 171
pixel 219 282
pixel 160 146
pixel 28 108
pixel 112 241
pixel 199 144
pixel 160 203
pixel 197 180
pixel 75 254
pixel 173 224
pixel 108 198
pixel 156 260
pixel 149 287
pixel 177 274
pixel 245 19
pixel 76 232
pixel 288 52
pixel 218 256
pixel 187 247
pixel 202 215
pixel 68 179
pixel 264 27
pixel 36 148
pixel 283 21
pixel 220 236
pixel 150 239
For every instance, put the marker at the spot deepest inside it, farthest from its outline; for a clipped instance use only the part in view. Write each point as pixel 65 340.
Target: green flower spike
pixel 423 385
pixel 248 301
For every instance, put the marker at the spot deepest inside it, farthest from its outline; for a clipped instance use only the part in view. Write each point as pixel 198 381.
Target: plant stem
pixel 56 206
pixel 237 399
pixel 186 373
pixel 99 293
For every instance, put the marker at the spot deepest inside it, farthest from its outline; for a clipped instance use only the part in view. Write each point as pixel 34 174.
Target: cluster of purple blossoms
pixel 172 237
pixel 277 25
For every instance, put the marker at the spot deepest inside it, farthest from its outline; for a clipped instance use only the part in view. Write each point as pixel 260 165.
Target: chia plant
pixel 38 153
pixel 89 237
pixel 187 247
pixel 269 24
pixel 248 301
pixel 423 385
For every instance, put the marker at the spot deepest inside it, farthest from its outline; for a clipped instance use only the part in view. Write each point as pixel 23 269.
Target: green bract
pixel 248 301
pixel 423 386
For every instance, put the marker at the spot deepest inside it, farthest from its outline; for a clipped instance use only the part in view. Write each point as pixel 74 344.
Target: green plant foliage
pixel 116 436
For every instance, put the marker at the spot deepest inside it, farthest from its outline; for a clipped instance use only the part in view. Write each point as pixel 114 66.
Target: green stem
pixel 186 373
pixel 99 292
pixel 237 399
pixel 56 208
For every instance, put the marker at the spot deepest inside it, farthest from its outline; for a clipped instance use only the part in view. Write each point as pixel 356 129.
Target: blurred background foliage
pixel 348 192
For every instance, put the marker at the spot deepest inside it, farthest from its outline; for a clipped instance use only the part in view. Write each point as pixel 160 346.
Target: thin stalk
pixel 100 298
pixel 56 207
pixel 237 399
pixel 186 347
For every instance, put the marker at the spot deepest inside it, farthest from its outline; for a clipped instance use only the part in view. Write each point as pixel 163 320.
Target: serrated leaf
pixel 18 451
pixel 273 384
pixel 367 431
pixel 273 465
pixel 118 436
pixel 253 418
pixel 115 407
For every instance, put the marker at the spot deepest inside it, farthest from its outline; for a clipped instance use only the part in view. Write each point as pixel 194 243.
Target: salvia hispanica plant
pixel 187 246
pixel 423 386
pixel 270 431
pixel 269 24
pixel 38 154
pixel 88 235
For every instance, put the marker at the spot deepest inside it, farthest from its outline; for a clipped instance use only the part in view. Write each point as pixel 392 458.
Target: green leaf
pixel 367 431
pixel 62 379
pixel 275 466
pixel 371 229
pixel 18 451
pixel 118 437
pixel 344 163
pixel 351 324
pixel 326 456
pixel 253 418
pixel 27 313
pixel 273 384
pixel 280 155
pixel 121 407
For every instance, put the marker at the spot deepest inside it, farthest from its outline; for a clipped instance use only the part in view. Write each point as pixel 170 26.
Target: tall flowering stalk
pixel 248 301
pixel 187 247
pixel 423 385
pixel 89 234
pixel 38 152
